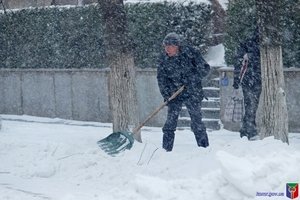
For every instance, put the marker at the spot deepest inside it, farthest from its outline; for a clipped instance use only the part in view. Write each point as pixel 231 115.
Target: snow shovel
pixel 120 141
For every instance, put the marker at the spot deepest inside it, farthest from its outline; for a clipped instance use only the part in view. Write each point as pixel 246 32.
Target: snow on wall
pixel 222 2
pixel 155 1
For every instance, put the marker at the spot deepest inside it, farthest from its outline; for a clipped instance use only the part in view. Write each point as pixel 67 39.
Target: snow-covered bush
pixel 150 22
pixel 240 22
pixel 71 37
pixel 51 38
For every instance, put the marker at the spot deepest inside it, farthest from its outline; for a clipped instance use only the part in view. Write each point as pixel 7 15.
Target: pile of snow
pixel 156 1
pixel 215 55
pixel 43 159
pixel 223 3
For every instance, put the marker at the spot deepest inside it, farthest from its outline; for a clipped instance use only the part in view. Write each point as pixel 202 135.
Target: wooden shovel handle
pixel 135 130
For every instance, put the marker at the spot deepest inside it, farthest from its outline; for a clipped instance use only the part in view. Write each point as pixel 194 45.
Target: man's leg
pixel 169 128
pixel 251 100
pixel 255 94
pixel 244 131
pixel 197 125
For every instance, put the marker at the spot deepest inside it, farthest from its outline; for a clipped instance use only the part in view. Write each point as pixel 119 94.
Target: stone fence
pixel 292 84
pixel 82 94
pixel 79 94
pixel 13 4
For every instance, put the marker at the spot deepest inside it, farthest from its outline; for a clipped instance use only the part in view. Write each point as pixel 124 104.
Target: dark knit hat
pixel 172 39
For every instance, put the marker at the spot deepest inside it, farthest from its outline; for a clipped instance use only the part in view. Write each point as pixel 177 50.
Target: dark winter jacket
pixel 187 68
pixel 252 77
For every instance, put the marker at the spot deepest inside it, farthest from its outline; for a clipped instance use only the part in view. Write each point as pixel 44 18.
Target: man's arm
pixel 241 51
pixel 201 65
pixel 162 81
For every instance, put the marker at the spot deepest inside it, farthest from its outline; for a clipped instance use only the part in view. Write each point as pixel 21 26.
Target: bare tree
pixel 122 88
pixel 274 120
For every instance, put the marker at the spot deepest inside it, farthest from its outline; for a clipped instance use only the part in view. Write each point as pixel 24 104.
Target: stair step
pixel 210 104
pixel 211 91
pixel 210 107
pixel 211 83
pixel 211 113
pixel 213 124
pixel 213 99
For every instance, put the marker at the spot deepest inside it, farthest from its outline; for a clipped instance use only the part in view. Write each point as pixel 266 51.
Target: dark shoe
pixel 167 150
pixel 252 134
pixel 203 141
pixel 243 135
pixel 254 138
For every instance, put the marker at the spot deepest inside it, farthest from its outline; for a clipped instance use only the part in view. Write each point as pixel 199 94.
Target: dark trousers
pixel 251 100
pixel 197 126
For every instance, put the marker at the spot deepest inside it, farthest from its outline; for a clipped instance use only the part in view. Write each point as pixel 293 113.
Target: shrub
pixel 71 37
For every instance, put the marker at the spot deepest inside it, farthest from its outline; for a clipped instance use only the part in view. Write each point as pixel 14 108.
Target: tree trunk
pixel 122 87
pixel 273 99
pixel 274 119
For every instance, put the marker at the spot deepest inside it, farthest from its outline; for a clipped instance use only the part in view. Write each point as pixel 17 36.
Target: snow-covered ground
pixel 156 1
pixel 44 158
pixel 223 3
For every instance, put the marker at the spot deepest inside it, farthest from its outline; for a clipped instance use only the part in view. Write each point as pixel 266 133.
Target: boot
pixel 202 140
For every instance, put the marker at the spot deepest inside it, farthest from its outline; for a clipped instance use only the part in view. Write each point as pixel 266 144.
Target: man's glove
pixel 166 99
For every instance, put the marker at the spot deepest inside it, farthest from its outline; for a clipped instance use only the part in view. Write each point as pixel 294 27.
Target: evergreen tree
pixel 240 22
pixel 240 25
pixel 291 33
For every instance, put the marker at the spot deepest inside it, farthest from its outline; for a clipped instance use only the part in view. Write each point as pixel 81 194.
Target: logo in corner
pixel 292 190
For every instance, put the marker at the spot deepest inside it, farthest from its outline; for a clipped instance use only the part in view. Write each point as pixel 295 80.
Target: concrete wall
pixel 72 94
pixel 292 82
pixel 83 94
pixel 12 4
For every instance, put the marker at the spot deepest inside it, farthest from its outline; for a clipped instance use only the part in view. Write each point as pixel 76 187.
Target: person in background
pixel 182 65
pixel 247 74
